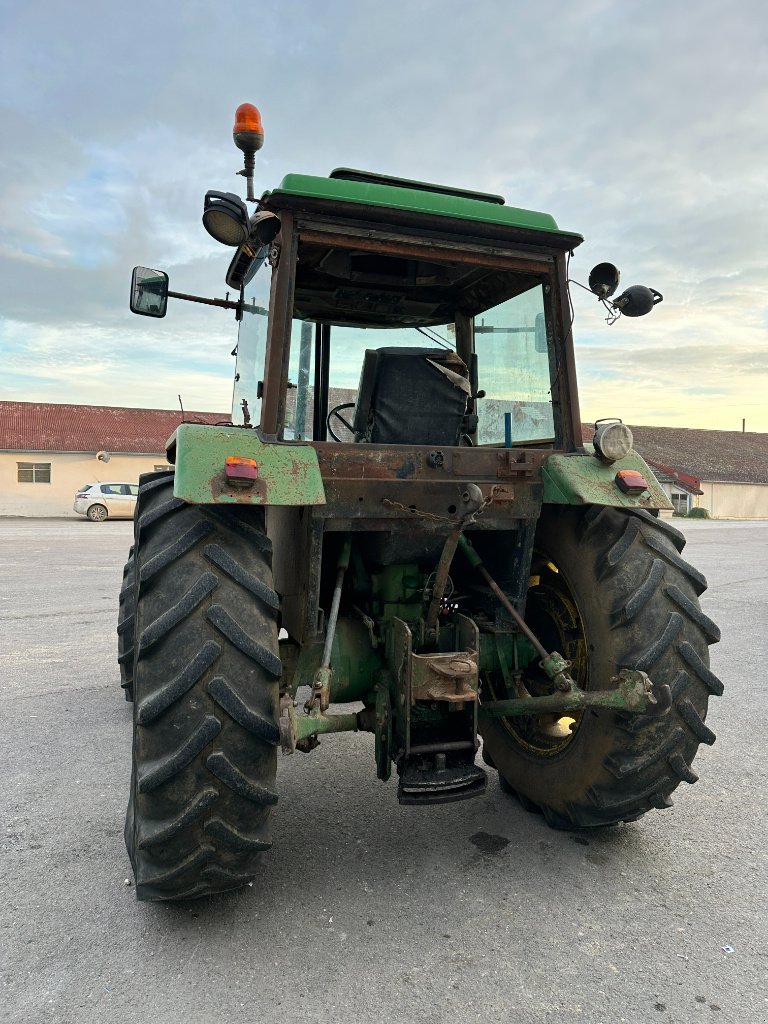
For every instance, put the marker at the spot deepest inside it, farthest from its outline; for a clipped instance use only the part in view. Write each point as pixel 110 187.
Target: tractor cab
pixel 396 319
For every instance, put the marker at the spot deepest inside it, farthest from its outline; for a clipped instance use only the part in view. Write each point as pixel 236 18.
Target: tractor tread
pixel 126 625
pixel 659 647
pixel 622 766
pixel 696 579
pixel 163 625
pixel 223 878
pixel 232 521
pixel 232 631
pixel 607 802
pixel 694 613
pixel 216 554
pixel 677 537
pixel 220 765
pixel 639 598
pixel 614 556
pixel 167 694
pixel 682 769
pixel 173 551
pixel 196 858
pixel 227 698
pixel 232 837
pixel 695 722
pixel 705 674
pixel 157 513
pixel 168 829
pixel 163 770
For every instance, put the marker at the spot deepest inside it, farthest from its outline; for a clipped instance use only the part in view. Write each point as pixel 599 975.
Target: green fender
pixel 287 474
pixel 583 479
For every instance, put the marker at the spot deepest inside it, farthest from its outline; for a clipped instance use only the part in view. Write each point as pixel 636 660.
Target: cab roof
pixel 377 192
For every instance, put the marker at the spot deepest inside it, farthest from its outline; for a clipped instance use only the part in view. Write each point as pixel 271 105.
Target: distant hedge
pixel 698 513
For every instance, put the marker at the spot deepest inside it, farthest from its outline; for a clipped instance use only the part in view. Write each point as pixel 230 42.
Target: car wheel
pixel 97 513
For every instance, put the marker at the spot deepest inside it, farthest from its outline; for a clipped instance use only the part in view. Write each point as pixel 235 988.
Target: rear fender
pixel 286 474
pixel 582 479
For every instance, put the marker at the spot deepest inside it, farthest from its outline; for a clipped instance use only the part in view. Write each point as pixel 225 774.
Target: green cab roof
pixel 417 197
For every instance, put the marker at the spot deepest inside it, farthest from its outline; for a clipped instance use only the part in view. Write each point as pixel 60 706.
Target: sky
pixel 640 124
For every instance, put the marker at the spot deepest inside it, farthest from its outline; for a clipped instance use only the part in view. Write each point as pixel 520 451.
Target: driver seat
pixel 412 396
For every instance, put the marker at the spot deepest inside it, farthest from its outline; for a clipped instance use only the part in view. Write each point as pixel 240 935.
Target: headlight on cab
pixel 613 440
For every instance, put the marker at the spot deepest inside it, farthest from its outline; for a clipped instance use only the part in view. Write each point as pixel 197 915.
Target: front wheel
pixel 609 590
pixel 205 677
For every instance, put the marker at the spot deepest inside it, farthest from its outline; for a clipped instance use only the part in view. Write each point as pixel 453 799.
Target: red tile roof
pixel 43 427
pixel 707 455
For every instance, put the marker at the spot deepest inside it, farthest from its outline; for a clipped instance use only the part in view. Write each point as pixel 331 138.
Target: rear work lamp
pixel 225 217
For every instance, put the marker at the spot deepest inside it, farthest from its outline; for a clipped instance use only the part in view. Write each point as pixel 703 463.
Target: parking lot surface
pixel 365 910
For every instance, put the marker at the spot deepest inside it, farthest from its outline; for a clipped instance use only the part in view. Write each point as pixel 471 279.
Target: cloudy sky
pixel 640 124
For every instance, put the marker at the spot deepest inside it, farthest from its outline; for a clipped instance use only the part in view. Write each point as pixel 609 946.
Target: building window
pixel 680 501
pixel 34 472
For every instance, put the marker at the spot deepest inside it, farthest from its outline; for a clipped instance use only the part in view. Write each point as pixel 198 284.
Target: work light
pixel 613 440
pixel 225 217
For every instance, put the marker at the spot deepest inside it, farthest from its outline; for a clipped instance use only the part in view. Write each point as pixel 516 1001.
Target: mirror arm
pixel 223 303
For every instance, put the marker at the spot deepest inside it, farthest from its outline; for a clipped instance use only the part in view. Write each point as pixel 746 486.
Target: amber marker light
pixel 240 471
pixel 630 481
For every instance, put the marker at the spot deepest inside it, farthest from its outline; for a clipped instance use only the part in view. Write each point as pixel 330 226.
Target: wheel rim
pixel 97 513
pixel 553 615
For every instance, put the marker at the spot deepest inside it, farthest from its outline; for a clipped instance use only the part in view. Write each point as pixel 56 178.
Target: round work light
pixel 613 440
pixel 225 218
pixel 637 300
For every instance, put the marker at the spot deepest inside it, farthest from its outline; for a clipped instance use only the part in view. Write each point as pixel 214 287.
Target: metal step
pixel 431 785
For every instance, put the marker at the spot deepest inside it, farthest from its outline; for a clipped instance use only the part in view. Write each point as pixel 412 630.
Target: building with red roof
pixel 48 452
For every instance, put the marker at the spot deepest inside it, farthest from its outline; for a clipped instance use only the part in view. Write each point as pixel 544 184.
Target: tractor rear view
pixel 400 532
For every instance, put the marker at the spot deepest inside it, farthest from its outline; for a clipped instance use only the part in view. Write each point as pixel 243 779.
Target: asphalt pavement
pixel 365 910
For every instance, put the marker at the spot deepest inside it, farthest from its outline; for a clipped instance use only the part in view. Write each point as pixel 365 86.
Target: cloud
pixel 637 123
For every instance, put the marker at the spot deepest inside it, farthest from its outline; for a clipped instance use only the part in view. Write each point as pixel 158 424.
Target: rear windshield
pixel 86 487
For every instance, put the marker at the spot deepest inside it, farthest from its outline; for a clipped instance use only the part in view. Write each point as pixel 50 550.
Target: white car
pixel 106 501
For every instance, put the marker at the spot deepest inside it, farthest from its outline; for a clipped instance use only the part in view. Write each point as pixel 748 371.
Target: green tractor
pixel 402 532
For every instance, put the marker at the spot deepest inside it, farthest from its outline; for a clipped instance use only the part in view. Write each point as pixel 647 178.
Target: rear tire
pixel 97 513
pixel 206 671
pixel 126 617
pixel 614 593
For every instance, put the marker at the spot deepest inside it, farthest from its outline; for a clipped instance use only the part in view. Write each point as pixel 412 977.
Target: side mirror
pixel 149 292
pixel 540 333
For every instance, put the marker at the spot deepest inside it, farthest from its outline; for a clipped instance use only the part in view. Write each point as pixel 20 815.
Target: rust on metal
pixel 411 246
pixel 450 677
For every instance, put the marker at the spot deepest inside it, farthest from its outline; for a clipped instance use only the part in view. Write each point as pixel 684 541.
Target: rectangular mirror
pixel 149 292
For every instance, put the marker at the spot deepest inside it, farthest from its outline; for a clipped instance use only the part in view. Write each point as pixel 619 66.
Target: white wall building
pixel 48 452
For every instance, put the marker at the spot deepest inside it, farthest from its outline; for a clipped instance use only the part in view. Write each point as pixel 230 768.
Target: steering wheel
pixel 335 413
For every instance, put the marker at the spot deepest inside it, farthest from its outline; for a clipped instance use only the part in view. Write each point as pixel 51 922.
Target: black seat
pixel 412 396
